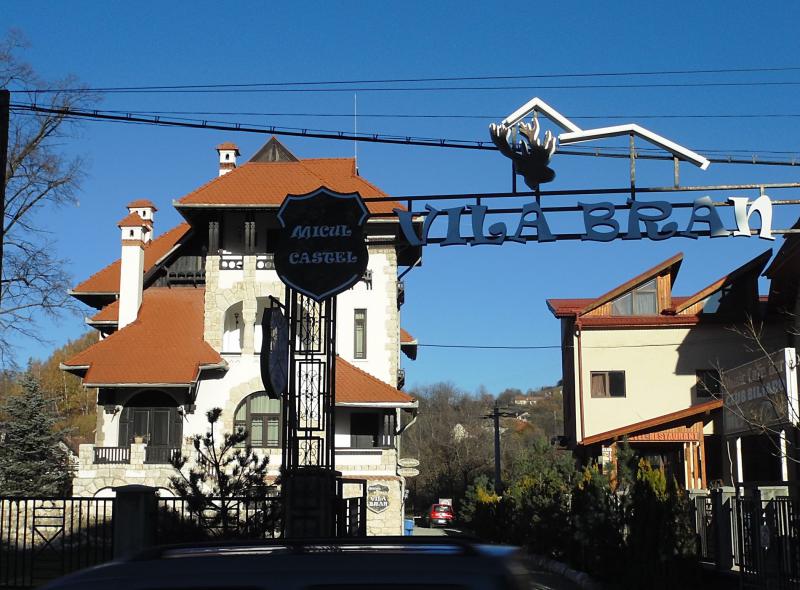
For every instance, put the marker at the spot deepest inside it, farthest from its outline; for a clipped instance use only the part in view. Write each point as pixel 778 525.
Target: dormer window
pixel 640 301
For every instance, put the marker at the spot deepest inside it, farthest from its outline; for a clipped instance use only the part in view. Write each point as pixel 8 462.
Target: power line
pixel 558 346
pixel 454 116
pixel 350 89
pixel 595 151
pixel 250 85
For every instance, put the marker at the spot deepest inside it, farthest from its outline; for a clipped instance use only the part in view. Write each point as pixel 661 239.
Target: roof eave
pixel 412 404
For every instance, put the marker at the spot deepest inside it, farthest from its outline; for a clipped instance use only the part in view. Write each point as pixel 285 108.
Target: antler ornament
pixel 531 157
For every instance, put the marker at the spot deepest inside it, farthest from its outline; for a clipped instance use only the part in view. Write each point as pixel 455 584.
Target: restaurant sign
pixel 761 394
pixel 377 497
pixel 322 247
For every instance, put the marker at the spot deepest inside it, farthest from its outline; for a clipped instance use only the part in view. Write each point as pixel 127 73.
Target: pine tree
pixel 226 473
pixel 32 462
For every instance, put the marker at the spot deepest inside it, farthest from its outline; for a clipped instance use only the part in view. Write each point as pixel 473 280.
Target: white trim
pixel 377 404
pixel 137 384
pixel 632 128
pixel 537 104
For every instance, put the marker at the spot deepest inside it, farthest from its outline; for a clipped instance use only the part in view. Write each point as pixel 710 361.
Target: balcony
pixel 157 455
pixel 112 456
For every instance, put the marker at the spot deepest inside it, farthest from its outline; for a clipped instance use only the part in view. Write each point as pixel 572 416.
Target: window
pixel 640 301
pixel 153 416
pixel 708 383
pixel 371 430
pixel 360 336
pixel 260 416
pixel 608 384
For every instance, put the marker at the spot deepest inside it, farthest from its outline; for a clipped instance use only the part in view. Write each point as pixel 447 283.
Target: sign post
pixel 321 252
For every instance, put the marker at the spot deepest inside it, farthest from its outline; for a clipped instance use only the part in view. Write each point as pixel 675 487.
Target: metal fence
pixel 43 538
pixel 181 521
pixel 758 537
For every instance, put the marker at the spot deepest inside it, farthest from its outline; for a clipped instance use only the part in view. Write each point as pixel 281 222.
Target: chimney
pixel 135 233
pixel 147 211
pixel 228 152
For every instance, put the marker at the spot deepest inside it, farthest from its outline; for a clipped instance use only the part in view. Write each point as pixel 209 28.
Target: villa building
pixel 642 363
pixel 179 317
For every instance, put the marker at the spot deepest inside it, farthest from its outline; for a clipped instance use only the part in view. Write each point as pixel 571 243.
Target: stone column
pixel 135 513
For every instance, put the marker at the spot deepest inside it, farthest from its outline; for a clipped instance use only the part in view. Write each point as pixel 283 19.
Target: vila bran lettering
pixel 645 219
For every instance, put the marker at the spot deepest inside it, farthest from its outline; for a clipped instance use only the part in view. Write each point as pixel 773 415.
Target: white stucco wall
pixel 130 283
pixel 659 365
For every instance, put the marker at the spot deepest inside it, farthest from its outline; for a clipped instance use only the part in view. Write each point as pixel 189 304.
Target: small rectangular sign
pixel 761 393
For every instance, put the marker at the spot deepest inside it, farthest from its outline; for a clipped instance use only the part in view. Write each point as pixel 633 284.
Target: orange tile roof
pixel 110 313
pixel 356 386
pixel 227 145
pixel 134 220
pixel 142 203
pixel 268 183
pixel 164 345
pixel 406 338
pixel 107 279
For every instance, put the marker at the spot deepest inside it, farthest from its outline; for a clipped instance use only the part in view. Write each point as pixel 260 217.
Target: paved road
pixel 539 580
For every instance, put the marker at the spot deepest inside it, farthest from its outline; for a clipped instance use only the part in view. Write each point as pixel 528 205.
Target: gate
pixel 767 542
pixel 351 512
pixel 44 538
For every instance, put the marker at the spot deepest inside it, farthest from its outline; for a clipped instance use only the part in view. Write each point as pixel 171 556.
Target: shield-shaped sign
pixel 377 497
pixel 322 248
pixel 274 351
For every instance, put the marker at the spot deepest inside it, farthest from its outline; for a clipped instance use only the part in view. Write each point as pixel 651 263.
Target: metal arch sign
pixel 322 247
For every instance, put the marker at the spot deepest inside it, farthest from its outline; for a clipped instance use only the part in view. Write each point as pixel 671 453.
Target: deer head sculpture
pixel 533 156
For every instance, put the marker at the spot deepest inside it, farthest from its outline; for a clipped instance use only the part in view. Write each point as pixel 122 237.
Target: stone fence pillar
pixel 135 513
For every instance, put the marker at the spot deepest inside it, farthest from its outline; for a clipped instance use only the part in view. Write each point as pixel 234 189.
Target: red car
pixel 439 514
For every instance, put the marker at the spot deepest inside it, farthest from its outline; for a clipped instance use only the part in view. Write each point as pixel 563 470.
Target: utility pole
pixel 5 102
pixel 498 484
pixel 495 417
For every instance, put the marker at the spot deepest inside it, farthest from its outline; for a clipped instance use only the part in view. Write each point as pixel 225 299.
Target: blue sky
pixel 461 295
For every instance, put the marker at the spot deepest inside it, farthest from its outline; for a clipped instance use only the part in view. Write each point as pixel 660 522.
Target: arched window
pixel 261 417
pixel 233 336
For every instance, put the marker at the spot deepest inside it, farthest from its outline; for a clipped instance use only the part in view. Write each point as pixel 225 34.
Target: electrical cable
pixel 446 116
pixel 351 89
pixel 373 137
pixel 427 79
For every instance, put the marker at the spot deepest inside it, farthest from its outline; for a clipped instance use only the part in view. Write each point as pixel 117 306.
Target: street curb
pixel 581 579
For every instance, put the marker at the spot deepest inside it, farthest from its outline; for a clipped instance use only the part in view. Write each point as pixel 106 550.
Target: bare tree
pixel 34 284
pixel 764 407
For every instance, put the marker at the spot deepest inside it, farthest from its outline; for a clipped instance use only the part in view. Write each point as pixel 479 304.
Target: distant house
pixel 641 362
